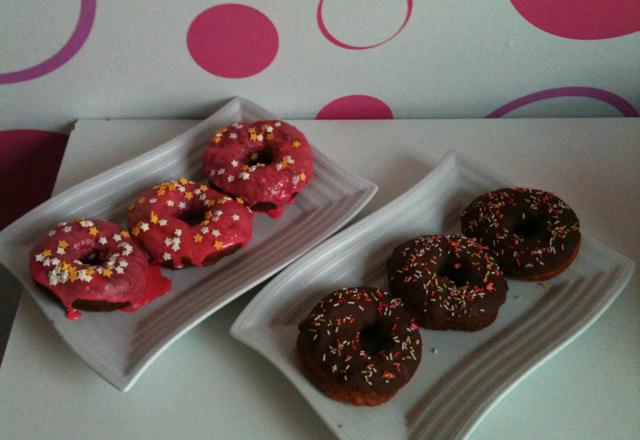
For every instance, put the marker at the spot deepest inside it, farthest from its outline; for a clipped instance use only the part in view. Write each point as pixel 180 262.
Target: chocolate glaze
pixel 362 340
pixel 265 163
pixel 185 223
pixel 531 232
pixel 449 282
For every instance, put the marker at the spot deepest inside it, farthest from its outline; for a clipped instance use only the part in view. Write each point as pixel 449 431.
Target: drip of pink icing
pixel 72 314
pixel 275 213
pixel 157 285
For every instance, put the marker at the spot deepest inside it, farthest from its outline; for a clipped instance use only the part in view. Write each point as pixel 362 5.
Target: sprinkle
pixel 106 272
pixel 163 222
pixel 93 231
pixel 170 203
pixel 67 229
pixel 295 144
pixel 144 226
pixel 182 205
pixel 197 238
pixel 218 245
pixel 166 256
pixel 230 178
pixel 215 233
pixel 235 217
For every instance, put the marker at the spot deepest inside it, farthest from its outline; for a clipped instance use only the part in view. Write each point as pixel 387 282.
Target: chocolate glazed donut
pixel 359 345
pixel 533 234
pixel 449 282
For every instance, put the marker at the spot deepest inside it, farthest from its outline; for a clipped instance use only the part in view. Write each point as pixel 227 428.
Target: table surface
pixel 207 385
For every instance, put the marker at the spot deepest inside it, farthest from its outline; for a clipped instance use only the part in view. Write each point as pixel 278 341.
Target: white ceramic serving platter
pixel 119 346
pixel 462 375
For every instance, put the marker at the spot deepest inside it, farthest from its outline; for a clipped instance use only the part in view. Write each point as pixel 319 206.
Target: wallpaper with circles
pixel 324 59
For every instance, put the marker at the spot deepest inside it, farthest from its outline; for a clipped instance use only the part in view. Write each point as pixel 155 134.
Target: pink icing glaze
pixel 158 220
pixel 56 263
pixel 157 285
pixel 282 168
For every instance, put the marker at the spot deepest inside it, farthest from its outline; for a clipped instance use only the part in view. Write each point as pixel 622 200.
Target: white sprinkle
pixel 235 217
pixel 163 222
pixel 102 240
pixel 244 175
pixel 170 203
pixel 177 232
pixel 51 233
pixel 67 229
pixel 144 226
pixel 234 163
pixel 230 178
pixel 166 256
pixel 116 237
pixel 232 136
pixel 215 233
pixel 220 171
pixel 182 205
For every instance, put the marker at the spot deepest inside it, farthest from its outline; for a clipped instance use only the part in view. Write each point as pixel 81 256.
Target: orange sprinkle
pixel 63 244
pixel 303 176
pixel 188 195
pixel 153 218
pixel 197 238
pixel 125 233
pixel 218 245
pixel 183 181
pixel 107 273
pixel 295 144
pixel 46 253
pixel 135 231
pixel 142 199
pixel 93 231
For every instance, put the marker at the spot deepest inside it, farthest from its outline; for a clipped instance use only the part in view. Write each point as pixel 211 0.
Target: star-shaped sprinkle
pixel 197 238
pixel 303 176
pixel 260 138
pixel 125 233
pixel 277 124
pixel 116 237
pixel 93 231
pixel 220 171
pixel 230 178
pixel 235 217
pixel 123 263
pixel 188 195
pixel 296 144
pixel 39 258
pixel 177 232
pixel 67 229
pixel 218 245
pixel 106 272
pixel 135 231
pixel 183 181
pixel 215 233
pixel 119 270
pixel 86 223
pixel 63 244
pixel 170 203
pixel 51 233
pixel 182 205
pixel 253 137
pixel 234 163
pixel 144 226
pixel 163 222
pixel 244 175
pixel 166 256
pixel 233 136
pixel 153 218
pixel 204 230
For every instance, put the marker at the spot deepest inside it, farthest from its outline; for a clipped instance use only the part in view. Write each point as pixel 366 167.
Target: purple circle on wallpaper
pixel 71 47
pixel 329 36
pixel 582 19
pixel 584 92
pixel 355 107
pixel 232 40
pixel 26 153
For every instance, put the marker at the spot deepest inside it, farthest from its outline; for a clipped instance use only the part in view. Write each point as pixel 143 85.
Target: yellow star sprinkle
pixel 188 195
pixel 141 200
pixel 183 181
pixel 89 271
pixel 93 231
pixel 153 218
pixel 79 219
pixel 125 234
pixel 303 176
pixel 46 253
pixel 161 192
pixel 218 245
pixel 221 130
pixel 107 273
pixel 135 231
pixel 197 238
pixel 73 274
pixel 63 244
pixel 216 140
pixel 203 187
pixel 240 200
pixel 270 137
pixel 295 144
pixel 253 137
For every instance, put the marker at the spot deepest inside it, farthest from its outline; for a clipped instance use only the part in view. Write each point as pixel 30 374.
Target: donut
pixel 359 346
pixel 180 222
pixel 265 163
pixel 449 282
pixel 94 265
pixel 533 234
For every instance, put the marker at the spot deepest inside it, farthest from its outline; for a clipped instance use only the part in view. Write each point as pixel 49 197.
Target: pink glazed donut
pixel 185 223
pixel 94 265
pixel 265 163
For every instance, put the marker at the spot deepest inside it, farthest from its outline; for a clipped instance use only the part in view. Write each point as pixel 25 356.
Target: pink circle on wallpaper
pixel 329 36
pixel 71 47
pixel 582 19
pixel 584 92
pixel 232 40
pixel 355 107
pixel 29 162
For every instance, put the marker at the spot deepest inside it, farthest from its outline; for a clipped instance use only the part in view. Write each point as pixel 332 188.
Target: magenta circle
pixel 583 19
pixel 584 92
pixel 232 40
pixel 71 47
pixel 355 107
pixel 334 40
pixel 29 162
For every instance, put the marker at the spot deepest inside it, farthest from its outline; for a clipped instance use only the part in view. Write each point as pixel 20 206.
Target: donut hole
pixel 528 225
pixel 374 339
pixel 95 257
pixel 264 156
pixel 457 271
pixel 192 216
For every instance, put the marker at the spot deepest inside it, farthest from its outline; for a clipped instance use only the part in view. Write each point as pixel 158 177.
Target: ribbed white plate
pixel 462 375
pixel 120 346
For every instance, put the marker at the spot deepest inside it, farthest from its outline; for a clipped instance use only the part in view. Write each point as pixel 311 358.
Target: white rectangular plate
pixel 462 375
pixel 120 346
